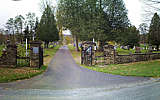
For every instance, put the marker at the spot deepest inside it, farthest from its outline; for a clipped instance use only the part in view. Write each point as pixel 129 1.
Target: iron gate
pixel 40 56
pixel 23 56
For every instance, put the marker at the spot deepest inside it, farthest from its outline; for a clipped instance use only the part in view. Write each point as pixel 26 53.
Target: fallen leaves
pixel 10 74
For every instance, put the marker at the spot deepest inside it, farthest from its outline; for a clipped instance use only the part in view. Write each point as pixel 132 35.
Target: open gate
pixel 23 56
pixel 88 53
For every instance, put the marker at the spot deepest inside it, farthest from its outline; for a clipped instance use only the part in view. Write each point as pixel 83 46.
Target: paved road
pixel 65 80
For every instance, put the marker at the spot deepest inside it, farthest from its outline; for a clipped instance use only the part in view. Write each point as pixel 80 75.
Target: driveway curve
pixel 64 73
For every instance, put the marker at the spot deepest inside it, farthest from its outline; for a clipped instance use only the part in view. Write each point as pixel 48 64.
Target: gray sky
pixel 9 9
pixel 135 11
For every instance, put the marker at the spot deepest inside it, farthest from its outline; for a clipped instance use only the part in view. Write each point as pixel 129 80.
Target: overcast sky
pixel 9 8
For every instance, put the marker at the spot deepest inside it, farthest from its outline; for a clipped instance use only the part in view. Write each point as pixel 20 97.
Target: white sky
pixel 9 9
pixel 135 11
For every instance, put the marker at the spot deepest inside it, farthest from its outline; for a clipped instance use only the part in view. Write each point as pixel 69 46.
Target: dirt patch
pixel 47 60
pixel 77 59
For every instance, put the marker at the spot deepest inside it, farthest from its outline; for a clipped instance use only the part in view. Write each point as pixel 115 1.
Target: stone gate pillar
pixel 11 54
pixel 88 53
pixel 35 53
pixel 109 54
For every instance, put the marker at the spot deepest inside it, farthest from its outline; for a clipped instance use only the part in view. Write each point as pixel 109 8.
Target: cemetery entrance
pixel 22 55
pixel 30 55
pixel 88 53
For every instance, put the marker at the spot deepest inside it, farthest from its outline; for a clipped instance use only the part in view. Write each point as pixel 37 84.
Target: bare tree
pixel 150 7
pixel 154 4
pixel 44 3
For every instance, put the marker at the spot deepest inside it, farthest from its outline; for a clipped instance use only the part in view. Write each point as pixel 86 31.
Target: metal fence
pixel 23 56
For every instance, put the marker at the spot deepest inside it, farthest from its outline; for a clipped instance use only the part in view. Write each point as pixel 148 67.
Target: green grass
pixel 126 52
pixel 74 52
pixel 140 69
pixel 143 69
pixel 49 53
pixel 13 74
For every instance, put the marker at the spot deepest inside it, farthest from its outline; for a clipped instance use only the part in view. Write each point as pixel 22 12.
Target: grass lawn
pixel 13 74
pixel 19 73
pixel 126 52
pixel 143 69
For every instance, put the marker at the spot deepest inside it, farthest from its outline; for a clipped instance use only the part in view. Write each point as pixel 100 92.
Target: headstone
pixel 134 48
pixel 138 50
pixel 115 47
pixel 150 49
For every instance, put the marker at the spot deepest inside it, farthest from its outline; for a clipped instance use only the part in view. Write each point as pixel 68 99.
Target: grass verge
pixel 13 74
pixel 49 53
pixel 19 73
pixel 141 69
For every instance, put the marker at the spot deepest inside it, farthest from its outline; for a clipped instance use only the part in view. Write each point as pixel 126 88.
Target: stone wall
pixel 109 54
pixel 9 55
pixel 112 56
pixel 120 59
pixel 35 53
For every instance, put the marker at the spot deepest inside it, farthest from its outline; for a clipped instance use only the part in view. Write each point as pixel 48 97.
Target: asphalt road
pixel 65 80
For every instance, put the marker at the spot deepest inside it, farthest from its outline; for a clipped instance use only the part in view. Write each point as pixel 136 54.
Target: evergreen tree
pixel 118 19
pixel 69 15
pixel 130 36
pixel 154 31
pixel 36 28
pixel 26 33
pixel 88 19
pixel 47 29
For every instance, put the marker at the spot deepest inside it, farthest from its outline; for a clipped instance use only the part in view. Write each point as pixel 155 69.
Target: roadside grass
pixel 13 74
pixel 8 74
pixel 74 52
pixel 49 53
pixel 140 69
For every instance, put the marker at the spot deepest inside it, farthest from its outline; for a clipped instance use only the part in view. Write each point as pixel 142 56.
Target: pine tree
pixel 88 19
pixel 154 31
pixel 47 29
pixel 118 19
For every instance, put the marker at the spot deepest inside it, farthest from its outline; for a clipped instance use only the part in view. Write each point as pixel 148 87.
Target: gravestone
pixel 138 50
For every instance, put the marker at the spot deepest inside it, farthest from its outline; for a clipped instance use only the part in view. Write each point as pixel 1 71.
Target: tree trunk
pixel 21 35
pixel 157 47
pixel 77 48
pixel 101 44
pixel 46 44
